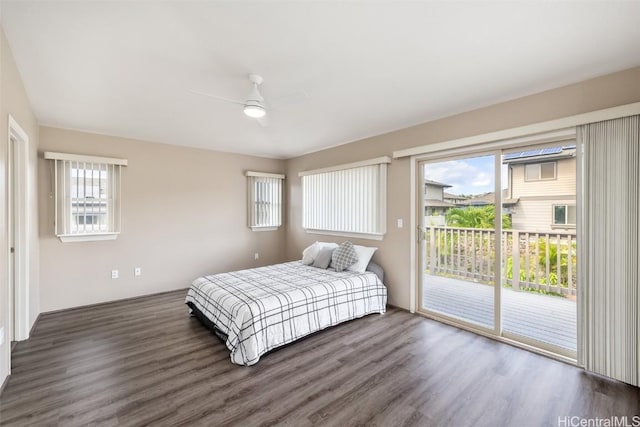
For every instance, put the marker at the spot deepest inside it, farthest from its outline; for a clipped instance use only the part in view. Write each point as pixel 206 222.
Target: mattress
pixel 263 308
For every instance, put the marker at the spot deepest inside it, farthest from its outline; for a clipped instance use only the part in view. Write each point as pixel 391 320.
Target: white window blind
pixel 609 276
pixel 264 200
pixel 346 200
pixel 87 196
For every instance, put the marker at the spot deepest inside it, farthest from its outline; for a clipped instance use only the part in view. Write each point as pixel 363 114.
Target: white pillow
pixel 365 254
pixel 311 252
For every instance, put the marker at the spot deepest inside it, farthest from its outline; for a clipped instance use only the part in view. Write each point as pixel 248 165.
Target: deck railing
pixel 537 261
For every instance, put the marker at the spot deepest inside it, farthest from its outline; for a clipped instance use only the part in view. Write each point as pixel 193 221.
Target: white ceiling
pixel 125 68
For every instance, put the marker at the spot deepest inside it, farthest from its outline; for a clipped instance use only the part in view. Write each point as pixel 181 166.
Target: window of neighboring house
pixel 264 210
pixel 87 196
pixel 540 171
pixel 348 200
pixel 564 215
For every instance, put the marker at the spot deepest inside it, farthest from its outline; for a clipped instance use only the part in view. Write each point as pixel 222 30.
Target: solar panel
pixel 538 152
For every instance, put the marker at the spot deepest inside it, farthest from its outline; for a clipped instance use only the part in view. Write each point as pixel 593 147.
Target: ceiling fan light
pixel 254 110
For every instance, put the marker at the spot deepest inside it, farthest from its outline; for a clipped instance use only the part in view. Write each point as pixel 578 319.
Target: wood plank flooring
pixel 146 362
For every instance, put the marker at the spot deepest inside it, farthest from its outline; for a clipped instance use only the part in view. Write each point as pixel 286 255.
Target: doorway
pixel 18 232
pixel 497 243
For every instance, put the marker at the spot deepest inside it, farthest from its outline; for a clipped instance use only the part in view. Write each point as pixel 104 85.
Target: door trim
pixel 19 321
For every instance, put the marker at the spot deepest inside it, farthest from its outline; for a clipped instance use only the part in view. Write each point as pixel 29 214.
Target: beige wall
pixel 14 102
pixel 183 216
pixel 608 91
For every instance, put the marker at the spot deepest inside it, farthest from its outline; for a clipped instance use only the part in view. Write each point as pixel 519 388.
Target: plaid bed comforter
pixel 263 308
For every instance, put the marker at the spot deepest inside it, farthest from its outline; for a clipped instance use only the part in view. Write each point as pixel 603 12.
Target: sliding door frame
pixel 497 333
pixel 497 265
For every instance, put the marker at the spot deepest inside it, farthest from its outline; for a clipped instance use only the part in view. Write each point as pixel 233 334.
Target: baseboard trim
pixel 99 304
pixel 398 308
pixel 4 384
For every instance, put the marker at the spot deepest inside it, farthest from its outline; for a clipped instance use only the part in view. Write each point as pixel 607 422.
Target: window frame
pixel 539 165
pixel 254 178
pixel 62 165
pixel 381 196
pixel 566 224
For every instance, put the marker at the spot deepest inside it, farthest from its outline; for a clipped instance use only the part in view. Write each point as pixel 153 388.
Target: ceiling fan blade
pixel 219 98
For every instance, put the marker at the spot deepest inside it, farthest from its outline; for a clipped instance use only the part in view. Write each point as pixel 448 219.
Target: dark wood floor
pixel 146 362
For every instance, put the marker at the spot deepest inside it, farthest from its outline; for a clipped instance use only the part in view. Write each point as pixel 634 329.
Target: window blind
pixel 609 294
pixel 87 195
pixel 350 200
pixel 264 200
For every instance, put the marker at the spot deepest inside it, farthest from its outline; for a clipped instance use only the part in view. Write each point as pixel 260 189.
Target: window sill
pixel 563 226
pixel 69 238
pixel 264 228
pixel 366 236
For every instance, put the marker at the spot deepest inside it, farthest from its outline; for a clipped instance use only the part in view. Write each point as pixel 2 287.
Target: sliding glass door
pixel 540 247
pixel 459 239
pixel 498 249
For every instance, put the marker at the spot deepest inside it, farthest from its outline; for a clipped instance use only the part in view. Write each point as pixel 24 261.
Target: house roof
pixel 489 199
pixel 454 196
pixel 433 203
pixel 436 183
pixel 540 154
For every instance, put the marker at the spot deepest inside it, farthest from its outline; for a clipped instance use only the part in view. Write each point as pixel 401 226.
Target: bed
pixel 260 309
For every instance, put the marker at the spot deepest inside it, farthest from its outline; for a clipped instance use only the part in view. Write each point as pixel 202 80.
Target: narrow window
pixel 264 208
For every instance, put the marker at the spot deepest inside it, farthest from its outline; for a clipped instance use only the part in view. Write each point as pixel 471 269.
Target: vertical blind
pixel 87 194
pixel 351 200
pixel 264 200
pixel 610 299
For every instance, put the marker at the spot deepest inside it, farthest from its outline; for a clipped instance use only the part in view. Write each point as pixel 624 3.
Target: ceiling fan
pixel 254 106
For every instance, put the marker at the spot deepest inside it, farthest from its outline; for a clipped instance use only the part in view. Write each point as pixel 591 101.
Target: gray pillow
pixel 344 256
pixel 323 259
pixel 375 268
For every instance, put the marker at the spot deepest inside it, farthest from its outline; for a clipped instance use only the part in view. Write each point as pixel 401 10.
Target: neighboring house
pixel 455 199
pixel 489 199
pixel 542 189
pixel 434 204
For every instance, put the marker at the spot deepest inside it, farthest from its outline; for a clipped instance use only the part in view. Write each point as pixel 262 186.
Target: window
pixel 349 200
pixel 564 215
pixel 264 201
pixel 540 171
pixel 87 196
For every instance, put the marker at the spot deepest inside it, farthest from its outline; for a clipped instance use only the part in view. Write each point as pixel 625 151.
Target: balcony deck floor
pixel 548 319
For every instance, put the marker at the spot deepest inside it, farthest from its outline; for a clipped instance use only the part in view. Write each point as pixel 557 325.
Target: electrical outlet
pixel 114 274
pixel 1 336
pixel 256 256
pixel 400 222
pixel 137 272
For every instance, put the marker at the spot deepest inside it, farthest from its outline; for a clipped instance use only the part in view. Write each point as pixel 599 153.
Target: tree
pixel 475 217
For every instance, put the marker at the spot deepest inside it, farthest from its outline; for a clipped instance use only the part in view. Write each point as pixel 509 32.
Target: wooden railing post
pixel 515 254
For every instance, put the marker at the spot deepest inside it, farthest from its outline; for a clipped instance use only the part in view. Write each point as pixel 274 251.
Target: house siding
pixel 433 192
pixel 537 215
pixel 563 185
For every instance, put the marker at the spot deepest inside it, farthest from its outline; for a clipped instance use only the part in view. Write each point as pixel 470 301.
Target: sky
pixel 472 175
